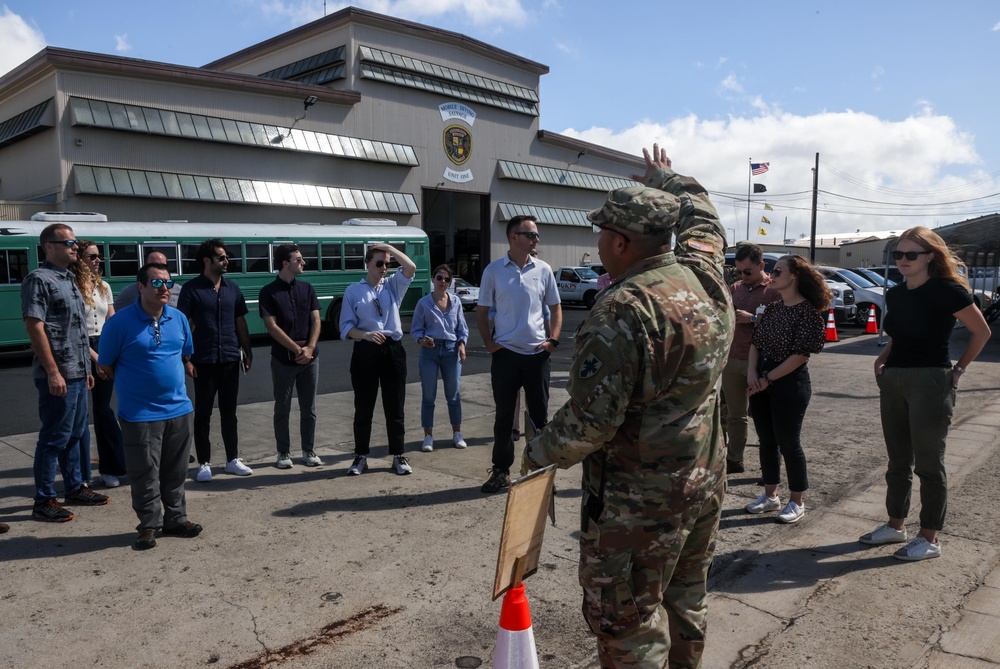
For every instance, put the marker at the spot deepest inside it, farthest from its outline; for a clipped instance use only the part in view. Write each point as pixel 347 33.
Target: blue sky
pixel 899 99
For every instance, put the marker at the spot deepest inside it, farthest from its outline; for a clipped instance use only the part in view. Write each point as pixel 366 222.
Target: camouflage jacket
pixel 642 413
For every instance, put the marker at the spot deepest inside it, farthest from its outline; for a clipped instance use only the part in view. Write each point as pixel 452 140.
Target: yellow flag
pixel 762 232
pixel 768 207
pixel 763 219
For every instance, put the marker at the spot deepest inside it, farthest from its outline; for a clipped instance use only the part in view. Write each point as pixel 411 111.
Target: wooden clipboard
pixel 528 502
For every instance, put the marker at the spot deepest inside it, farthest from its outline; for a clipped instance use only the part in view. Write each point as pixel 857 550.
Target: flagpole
pixel 784 235
pixel 749 179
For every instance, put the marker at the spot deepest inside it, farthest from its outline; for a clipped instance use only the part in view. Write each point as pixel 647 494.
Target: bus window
pixel 189 259
pixel 235 253
pixel 332 259
pixel 354 256
pixel 13 266
pixel 124 260
pixel 169 250
pixel 310 253
pixel 258 258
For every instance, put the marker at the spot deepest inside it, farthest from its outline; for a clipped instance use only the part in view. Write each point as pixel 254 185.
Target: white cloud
pixel 566 48
pixel 121 44
pixel 878 72
pixel 920 157
pixel 20 40
pixel 996 28
pixel 478 12
pixel 722 61
pixel 731 83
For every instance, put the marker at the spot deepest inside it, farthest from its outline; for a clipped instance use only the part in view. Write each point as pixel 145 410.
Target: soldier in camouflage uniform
pixel 643 417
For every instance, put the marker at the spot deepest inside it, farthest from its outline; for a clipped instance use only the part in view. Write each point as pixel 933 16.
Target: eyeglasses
pixel 598 228
pixel 440 277
pixel 64 242
pixel 378 307
pixel 776 272
pixel 156 329
pixel 93 256
pixel 161 283
pixel 909 255
pixel 746 272
pixel 382 263
pixel 533 236
pixel 222 258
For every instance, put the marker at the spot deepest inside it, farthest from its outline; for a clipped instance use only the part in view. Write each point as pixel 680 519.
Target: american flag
pixel 758 168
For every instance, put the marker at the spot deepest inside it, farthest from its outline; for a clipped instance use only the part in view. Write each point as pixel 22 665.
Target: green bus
pixel 334 256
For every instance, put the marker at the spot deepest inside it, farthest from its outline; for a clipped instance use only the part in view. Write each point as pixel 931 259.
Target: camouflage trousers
pixel 644 588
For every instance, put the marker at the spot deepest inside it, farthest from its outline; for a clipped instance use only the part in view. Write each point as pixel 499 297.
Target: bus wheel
pixel 333 319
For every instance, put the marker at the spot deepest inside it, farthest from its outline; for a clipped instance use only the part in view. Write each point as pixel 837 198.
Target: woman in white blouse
pixel 99 307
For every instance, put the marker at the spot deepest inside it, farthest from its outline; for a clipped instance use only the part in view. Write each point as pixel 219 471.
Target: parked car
pixel 874 277
pixel 466 293
pixel 577 284
pixel 894 273
pixel 866 293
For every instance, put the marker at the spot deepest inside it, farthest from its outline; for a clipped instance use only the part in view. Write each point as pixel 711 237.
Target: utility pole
pixel 812 232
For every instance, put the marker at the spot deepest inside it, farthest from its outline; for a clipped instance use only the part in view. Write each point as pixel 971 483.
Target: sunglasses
pixel 746 272
pixel 93 256
pixel 909 255
pixel 65 242
pixel 598 228
pixel 530 235
pixel 222 258
pixel 378 306
pixel 775 272
pixel 161 283
pixel 441 277
pixel 156 329
pixel 382 263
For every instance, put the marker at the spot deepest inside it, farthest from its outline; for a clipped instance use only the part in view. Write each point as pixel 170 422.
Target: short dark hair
pixel 749 250
pixel 518 220
pixel 49 233
pixel 207 249
pixel 372 250
pixel 142 276
pixel 283 253
pixel 443 268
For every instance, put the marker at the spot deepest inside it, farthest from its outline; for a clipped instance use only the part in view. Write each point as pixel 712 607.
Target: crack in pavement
pixel 253 619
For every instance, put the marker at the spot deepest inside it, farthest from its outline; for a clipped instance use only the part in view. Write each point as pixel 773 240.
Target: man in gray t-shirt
pixel 53 312
pixel 130 293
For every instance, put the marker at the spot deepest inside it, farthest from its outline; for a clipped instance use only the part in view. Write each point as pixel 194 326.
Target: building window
pixel 545 215
pixel 560 177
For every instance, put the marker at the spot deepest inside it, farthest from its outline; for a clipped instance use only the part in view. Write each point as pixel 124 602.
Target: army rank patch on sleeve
pixel 589 367
pixel 701 246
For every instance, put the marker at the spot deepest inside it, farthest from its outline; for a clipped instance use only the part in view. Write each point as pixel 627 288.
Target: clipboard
pixel 528 502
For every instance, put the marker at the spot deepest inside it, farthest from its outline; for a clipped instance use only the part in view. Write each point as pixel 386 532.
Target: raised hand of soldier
pixel 656 160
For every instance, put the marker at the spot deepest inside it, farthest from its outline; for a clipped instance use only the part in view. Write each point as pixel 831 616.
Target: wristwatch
pixel 553 341
pixel 753 318
pixel 958 368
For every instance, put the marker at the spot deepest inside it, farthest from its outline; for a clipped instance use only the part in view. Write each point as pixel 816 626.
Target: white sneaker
pixel 110 481
pixel 460 441
pixel 428 444
pixel 792 513
pixel 237 468
pixel 401 466
pixel 763 503
pixel 884 534
pixel 359 466
pixel 204 473
pixel 284 461
pixel 310 459
pixel 918 549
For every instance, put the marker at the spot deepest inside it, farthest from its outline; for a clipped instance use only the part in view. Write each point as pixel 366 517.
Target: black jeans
pixel 510 372
pixel 777 414
pixel 222 379
pixel 373 366
pixel 110 447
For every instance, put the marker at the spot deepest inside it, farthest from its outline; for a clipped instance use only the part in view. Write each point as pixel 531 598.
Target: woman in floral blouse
pixel 789 330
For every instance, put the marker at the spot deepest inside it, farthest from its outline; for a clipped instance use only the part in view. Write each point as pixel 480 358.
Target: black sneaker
pixel 49 511
pixel 87 497
pixel 187 529
pixel 146 540
pixel 498 481
pixel 734 467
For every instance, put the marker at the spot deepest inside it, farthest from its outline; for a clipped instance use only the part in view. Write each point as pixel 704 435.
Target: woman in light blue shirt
pixel 441 332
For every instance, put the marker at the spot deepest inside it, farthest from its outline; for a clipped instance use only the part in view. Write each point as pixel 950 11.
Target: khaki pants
pixel 734 389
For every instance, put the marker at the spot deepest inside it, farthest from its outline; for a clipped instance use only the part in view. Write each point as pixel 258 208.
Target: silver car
pixel 467 294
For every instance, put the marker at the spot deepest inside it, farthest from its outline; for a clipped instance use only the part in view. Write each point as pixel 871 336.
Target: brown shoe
pixel 146 540
pixel 4 528
pixel 734 467
pixel 187 529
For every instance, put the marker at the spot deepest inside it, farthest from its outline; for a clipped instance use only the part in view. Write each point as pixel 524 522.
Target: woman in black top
pixel 917 385
pixel 788 331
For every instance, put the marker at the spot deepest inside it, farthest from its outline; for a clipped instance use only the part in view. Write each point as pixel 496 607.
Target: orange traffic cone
pixel 515 640
pixel 872 326
pixel 831 328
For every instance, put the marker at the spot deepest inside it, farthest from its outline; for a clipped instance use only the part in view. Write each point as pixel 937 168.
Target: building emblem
pixel 457 144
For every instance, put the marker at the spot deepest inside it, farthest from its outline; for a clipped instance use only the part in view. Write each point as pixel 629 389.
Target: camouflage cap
pixel 638 209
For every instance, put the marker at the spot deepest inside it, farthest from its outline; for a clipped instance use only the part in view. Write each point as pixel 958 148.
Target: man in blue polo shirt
pixel 142 349
pixel 216 312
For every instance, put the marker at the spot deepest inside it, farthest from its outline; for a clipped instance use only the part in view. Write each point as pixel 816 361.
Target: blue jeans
pixel 64 435
pixel 443 357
